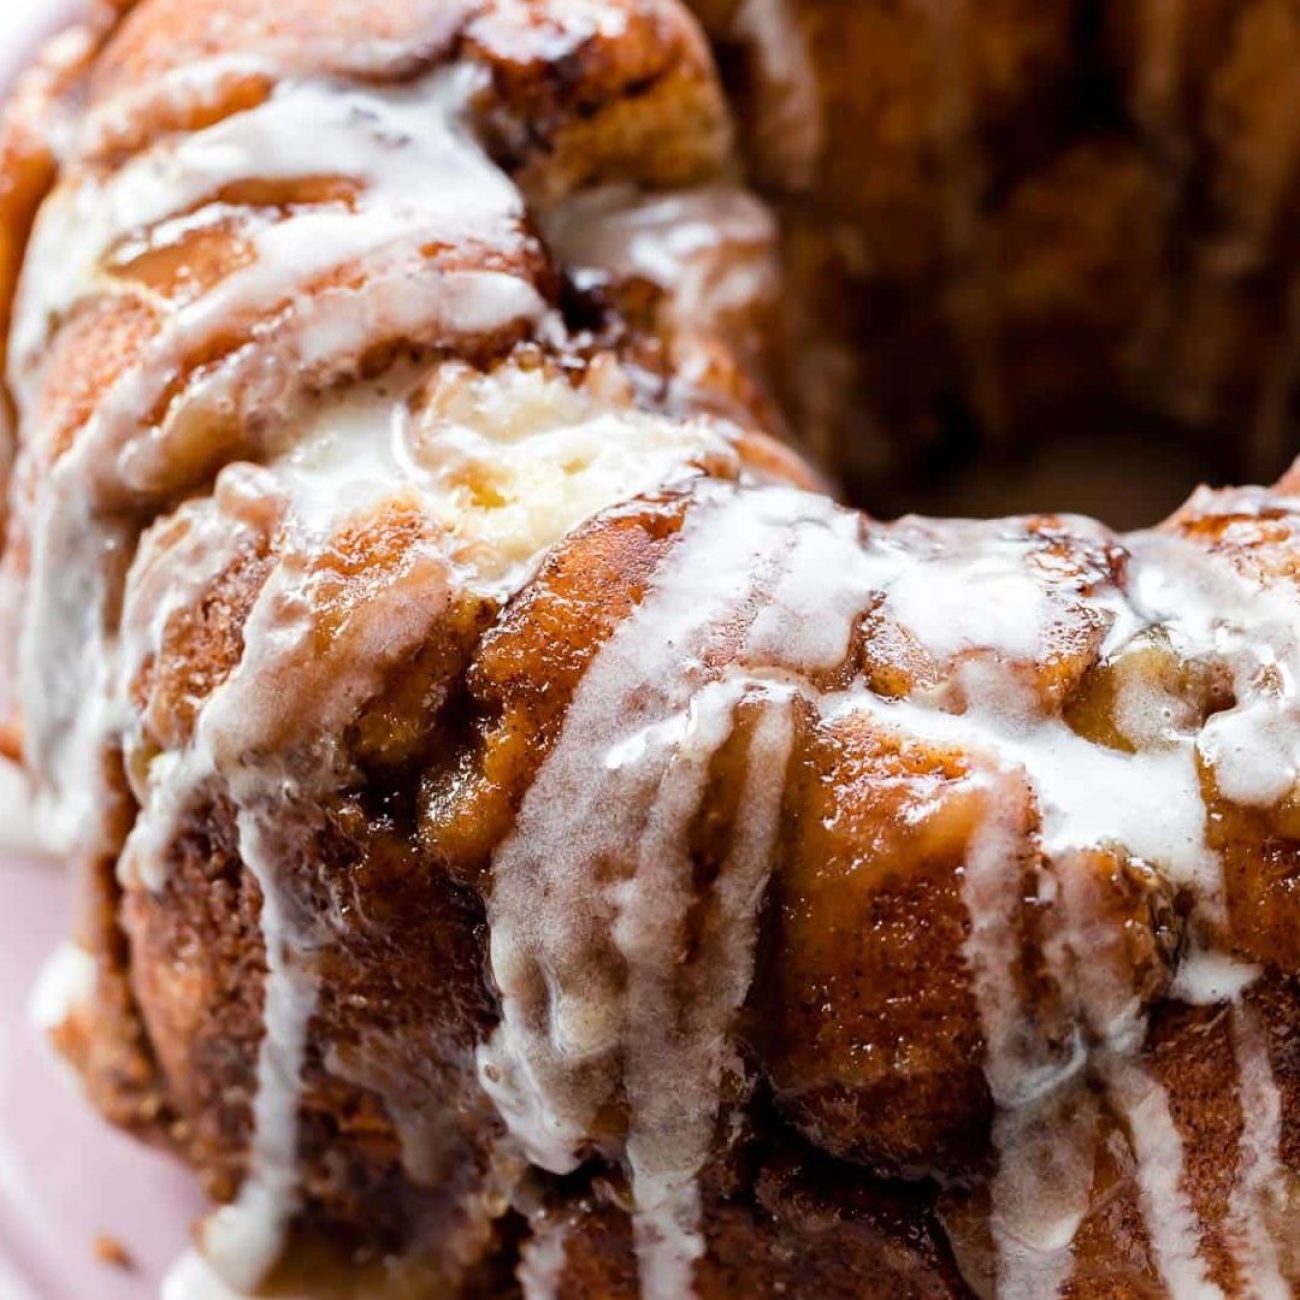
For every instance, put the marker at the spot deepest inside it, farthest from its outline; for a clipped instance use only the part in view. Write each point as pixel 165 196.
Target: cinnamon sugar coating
pixel 531 840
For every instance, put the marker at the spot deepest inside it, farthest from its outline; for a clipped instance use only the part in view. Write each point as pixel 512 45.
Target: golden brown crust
pixel 870 1037
pixel 415 695
pixel 798 1231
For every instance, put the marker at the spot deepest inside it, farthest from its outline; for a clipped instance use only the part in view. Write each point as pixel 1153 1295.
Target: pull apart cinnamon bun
pixel 531 840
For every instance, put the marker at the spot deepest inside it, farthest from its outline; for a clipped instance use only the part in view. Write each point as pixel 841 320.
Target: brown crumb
pixel 110 1251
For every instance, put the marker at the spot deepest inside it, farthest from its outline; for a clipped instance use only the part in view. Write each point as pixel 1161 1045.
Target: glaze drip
pixel 575 948
pixel 588 979
pixel 356 398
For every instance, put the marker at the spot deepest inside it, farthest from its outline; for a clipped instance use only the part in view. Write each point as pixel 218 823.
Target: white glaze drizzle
pixel 1208 978
pixel 587 969
pixel 711 249
pixel 387 141
pixel 549 1069
pixel 65 986
pixel 1171 1221
pixel 542 1260
pixel 358 450
pixel 992 888
pixel 650 715
pixel 1041 1190
pixel 1257 1198
pixel 191 1277
pixel 273 770
pixel 243 1240
pixel 545 454
pixel 399 137
pixel 1085 790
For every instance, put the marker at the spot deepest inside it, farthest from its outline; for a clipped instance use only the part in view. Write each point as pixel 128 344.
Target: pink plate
pixel 65 1177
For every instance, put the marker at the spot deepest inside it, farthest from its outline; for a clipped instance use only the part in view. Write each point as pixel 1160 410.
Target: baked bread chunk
pixel 531 839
